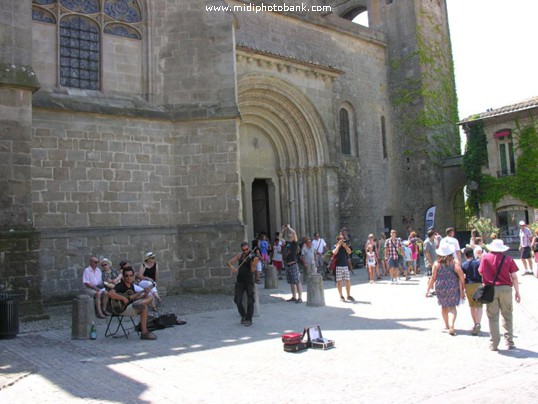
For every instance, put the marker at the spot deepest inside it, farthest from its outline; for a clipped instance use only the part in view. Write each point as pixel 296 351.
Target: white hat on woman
pixel 445 248
pixel 148 256
pixel 497 245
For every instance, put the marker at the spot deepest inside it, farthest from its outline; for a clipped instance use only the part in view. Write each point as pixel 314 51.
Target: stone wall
pixel 118 187
pixel 190 257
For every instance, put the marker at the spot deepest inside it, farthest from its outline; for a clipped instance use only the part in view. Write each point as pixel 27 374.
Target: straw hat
pixel 497 245
pixel 148 256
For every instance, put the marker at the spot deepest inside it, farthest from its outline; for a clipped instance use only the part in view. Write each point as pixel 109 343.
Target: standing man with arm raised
pixel 290 260
pixel 342 251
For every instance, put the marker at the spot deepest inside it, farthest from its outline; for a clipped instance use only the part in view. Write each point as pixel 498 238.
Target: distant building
pixel 500 129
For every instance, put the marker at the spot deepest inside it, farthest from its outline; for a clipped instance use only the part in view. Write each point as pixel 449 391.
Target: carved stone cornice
pixel 286 64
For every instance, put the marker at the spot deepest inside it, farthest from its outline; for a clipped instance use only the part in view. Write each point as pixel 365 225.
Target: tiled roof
pixel 520 106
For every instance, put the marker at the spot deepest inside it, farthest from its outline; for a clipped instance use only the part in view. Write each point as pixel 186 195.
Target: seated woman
pixel 147 275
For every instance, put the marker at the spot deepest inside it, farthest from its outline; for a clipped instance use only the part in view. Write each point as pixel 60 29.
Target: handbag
pixel 332 265
pixel 484 294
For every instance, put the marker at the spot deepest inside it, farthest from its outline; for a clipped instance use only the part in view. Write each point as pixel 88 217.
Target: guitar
pixel 118 306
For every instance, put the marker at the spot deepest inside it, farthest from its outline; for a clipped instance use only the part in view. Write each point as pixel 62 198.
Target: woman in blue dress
pixel 449 283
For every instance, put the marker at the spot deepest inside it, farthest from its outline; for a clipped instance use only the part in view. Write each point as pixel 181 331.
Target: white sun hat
pixel 497 245
pixel 445 248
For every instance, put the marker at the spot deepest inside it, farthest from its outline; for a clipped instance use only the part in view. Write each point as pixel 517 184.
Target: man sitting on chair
pixel 136 303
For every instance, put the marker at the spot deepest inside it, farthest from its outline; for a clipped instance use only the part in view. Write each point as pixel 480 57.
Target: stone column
pixel 19 242
pixel 284 205
pixel 320 201
pixel 302 203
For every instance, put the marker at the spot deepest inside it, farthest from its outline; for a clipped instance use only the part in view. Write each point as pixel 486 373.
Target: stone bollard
pixel 271 277
pixel 81 317
pixel 315 292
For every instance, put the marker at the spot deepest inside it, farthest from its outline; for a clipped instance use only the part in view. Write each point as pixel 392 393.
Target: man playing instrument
pixel 137 303
pixel 245 281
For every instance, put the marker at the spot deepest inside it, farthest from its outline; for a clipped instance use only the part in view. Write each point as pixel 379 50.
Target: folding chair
pixel 120 318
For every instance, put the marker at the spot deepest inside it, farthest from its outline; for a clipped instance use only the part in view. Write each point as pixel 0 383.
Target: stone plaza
pixel 390 347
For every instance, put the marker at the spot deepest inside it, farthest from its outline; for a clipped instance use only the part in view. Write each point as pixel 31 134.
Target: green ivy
pixel 435 123
pixel 523 185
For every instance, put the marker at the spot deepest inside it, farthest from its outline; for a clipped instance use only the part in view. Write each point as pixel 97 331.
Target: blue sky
pixel 495 52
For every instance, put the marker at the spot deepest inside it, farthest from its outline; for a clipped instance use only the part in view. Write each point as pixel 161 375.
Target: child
pixel 277 255
pixel 407 259
pixel 371 262
pixel 414 256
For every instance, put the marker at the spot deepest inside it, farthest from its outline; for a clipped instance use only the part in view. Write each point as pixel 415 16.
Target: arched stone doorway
pixel 283 144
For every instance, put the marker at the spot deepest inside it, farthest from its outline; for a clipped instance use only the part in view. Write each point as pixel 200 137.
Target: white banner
pixel 429 219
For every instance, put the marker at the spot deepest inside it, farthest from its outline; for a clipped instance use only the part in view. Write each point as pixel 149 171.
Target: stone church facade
pixel 182 128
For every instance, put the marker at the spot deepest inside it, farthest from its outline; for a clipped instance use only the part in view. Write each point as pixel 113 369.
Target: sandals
pixel 292 300
pixel 101 316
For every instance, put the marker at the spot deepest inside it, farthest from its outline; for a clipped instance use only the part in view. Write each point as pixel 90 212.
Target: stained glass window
pixel 82 6
pixel 79 53
pixel 80 36
pixel 123 10
pixel 39 14
pixel 344 132
pixel 122 30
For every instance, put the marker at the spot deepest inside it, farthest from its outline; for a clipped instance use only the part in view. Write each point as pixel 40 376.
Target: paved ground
pixel 390 347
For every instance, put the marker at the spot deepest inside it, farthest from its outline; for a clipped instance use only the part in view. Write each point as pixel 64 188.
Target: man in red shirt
pixel 502 300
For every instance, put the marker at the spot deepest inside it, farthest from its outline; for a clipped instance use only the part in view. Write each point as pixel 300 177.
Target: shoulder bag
pixel 484 294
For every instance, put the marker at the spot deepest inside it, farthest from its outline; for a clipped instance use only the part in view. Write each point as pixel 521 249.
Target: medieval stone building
pixel 185 126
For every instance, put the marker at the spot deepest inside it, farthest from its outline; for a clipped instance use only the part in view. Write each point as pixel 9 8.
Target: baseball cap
pixel 521 223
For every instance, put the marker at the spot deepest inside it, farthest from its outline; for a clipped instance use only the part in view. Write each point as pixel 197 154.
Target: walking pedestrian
pixel 393 246
pixel 449 284
pixel 277 254
pixel 534 247
pixel 493 263
pixel 320 246
pixel 308 257
pixel 525 237
pixel 473 280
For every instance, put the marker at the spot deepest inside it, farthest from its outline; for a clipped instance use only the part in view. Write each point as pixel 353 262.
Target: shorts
pixel 526 252
pixel 92 292
pixel 413 263
pixel 293 275
pixel 393 263
pixel 259 266
pixel 265 257
pixel 342 273
pixel 470 288
pixel 277 264
pixel 133 309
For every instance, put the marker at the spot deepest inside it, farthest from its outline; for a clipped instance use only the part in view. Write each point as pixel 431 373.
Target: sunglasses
pixel 128 275
pixel 104 265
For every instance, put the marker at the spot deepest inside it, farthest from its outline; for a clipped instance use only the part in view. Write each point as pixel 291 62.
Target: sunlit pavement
pixel 390 347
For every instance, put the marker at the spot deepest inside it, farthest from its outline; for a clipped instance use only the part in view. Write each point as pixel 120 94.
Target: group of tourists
pixel 285 254
pixel 137 292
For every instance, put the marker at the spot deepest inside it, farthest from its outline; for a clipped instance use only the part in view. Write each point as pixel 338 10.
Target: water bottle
pixel 93 331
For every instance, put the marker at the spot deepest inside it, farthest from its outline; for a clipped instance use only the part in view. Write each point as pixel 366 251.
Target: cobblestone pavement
pixel 390 347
